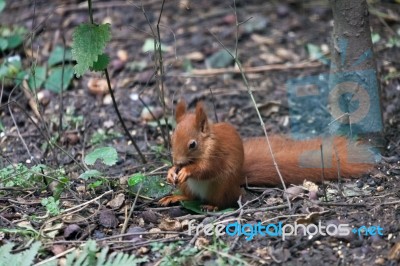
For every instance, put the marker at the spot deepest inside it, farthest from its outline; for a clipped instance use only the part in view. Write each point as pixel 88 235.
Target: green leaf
pixel 91 174
pixel 135 179
pixel 2 5
pixel 148 46
pixel 10 67
pixel 52 205
pixel 219 59
pixel 88 42
pixel 53 82
pixel 101 63
pixel 95 184
pixel 152 186
pixel 315 53
pixel 36 80
pixel 195 206
pixel 375 37
pixel 108 155
pixel 57 55
pixel 14 41
pixel 3 44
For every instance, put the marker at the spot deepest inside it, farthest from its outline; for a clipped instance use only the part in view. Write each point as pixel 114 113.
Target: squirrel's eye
pixel 192 144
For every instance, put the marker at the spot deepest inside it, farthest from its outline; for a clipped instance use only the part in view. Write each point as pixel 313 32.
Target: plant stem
pixel 114 101
pixel 90 11
pixel 121 120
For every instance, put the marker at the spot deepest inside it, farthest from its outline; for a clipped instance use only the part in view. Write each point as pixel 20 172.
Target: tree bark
pixel 354 94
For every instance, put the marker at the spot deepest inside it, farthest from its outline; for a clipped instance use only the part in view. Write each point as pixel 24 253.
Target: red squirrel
pixel 211 163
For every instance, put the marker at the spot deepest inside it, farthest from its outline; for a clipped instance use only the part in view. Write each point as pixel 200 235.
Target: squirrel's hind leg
pixel 172 199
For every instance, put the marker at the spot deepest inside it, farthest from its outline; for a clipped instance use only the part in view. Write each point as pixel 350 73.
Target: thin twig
pixel 323 172
pixel 265 68
pixel 60 126
pixel 55 257
pixel 17 128
pixel 125 225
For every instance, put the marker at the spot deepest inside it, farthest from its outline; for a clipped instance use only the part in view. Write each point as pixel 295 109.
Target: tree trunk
pixel 354 95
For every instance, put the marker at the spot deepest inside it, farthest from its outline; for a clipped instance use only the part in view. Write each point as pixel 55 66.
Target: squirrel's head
pixel 189 140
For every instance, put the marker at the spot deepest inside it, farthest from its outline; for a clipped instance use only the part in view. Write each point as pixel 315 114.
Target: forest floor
pixel 278 42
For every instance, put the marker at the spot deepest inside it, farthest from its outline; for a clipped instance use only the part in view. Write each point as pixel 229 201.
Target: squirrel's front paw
pixel 183 175
pixel 172 175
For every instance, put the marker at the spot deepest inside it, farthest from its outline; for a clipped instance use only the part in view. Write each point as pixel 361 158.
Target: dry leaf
pixel 394 253
pixel 108 219
pixel 72 231
pixel 117 202
pixel 195 56
pixel 201 242
pixel 294 192
pixel 309 219
pixel 310 186
pixel 57 249
pixel 170 225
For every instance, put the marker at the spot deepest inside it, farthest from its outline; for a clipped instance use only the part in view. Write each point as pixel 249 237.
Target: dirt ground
pixel 274 34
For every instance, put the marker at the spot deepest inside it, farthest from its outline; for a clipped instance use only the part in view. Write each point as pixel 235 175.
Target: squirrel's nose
pixel 180 163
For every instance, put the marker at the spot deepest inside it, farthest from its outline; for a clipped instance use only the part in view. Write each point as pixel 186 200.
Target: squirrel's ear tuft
pixel 180 110
pixel 201 118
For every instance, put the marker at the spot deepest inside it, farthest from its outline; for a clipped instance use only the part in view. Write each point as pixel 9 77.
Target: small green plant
pixel 176 253
pixel 107 156
pixel 52 76
pixel 11 37
pixel 52 205
pixel 24 258
pixel 20 175
pixel 88 255
pixel 101 136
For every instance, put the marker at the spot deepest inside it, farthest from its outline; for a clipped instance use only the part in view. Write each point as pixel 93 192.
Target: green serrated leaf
pixel 135 179
pixel 53 82
pixel 151 186
pixel 101 63
pixel 91 174
pixel 88 42
pixel 36 80
pixel 108 155
pixel 57 55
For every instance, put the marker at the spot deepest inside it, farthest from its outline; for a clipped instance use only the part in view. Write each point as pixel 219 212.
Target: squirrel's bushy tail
pixel 300 160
